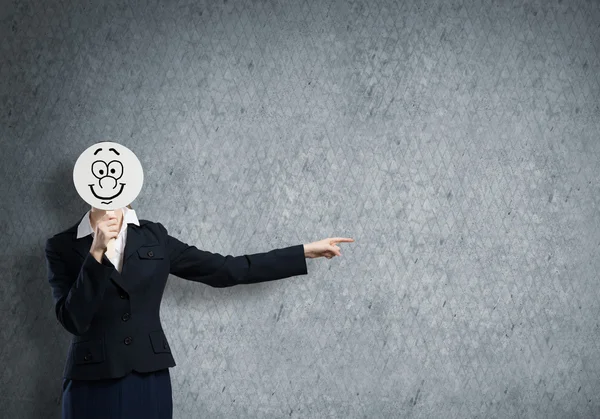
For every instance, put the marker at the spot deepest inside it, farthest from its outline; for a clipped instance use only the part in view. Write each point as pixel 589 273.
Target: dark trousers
pixel 137 395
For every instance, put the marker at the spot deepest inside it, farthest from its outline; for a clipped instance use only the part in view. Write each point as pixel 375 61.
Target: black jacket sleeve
pixel 216 270
pixel 76 299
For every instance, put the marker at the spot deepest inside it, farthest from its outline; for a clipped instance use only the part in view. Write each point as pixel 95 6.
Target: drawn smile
pixel 106 197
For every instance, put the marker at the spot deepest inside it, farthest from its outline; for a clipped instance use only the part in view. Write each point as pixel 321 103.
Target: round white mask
pixel 108 176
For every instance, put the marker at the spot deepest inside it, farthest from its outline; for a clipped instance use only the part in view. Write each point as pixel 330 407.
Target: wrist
pixel 307 251
pixel 97 254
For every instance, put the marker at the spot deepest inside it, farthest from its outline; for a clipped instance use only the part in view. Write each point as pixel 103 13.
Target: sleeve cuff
pixel 96 269
pixel 297 260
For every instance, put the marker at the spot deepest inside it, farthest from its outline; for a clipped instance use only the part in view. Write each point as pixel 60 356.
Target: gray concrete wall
pixel 457 142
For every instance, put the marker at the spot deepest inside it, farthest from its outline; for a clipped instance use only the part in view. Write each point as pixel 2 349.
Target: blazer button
pixel 123 296
pixel 128 340
pixel 150 253
pixel 125 317
pixel 165 345
pixel 87 357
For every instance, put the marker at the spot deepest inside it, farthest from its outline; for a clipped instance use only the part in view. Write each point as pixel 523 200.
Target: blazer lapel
pixel 82 246
pixel 135 239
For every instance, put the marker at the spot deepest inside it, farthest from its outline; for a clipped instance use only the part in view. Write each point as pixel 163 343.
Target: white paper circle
pixel 108 176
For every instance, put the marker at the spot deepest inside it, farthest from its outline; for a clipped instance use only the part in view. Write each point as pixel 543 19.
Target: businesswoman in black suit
pixel 119 358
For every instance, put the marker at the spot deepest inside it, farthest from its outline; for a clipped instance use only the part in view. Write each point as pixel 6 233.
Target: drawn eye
pixel 115 169
pixel 99 169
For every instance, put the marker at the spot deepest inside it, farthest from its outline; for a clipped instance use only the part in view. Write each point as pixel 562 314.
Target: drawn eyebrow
pixel 110 149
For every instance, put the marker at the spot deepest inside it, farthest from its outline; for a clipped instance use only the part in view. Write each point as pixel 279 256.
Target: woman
pixel 119 358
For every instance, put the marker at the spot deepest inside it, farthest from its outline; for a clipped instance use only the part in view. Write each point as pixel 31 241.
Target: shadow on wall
pixel 45 339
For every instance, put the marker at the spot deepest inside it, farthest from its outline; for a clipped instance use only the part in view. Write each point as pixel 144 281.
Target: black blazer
pixel 114 316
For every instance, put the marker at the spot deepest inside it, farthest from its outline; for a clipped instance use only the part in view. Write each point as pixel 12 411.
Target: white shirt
pixel 85 227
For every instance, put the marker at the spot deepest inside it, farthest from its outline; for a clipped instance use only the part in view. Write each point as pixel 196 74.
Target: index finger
pixel 342 239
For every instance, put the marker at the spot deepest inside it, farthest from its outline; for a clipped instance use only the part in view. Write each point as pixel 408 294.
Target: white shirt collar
pixel 85 227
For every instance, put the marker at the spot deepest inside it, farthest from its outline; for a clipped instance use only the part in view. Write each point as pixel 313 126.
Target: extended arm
pixel 216 270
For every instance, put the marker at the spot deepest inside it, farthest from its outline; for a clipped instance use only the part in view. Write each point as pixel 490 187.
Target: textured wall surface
pixel 457 142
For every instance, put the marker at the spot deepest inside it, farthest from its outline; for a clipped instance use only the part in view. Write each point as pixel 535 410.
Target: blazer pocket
pixel 151 252
pixel 88 352
pixel 159 342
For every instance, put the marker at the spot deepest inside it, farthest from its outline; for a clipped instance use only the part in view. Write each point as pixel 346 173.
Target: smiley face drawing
pixel 108 176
